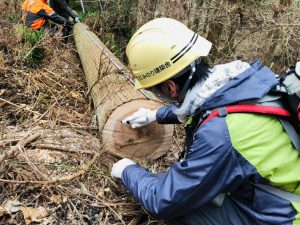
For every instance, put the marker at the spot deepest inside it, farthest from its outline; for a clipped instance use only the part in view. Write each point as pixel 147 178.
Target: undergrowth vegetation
pixel 32 52
pixel 114 21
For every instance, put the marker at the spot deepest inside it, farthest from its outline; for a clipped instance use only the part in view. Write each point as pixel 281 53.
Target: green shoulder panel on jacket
pixel 297 218
pixel 263 142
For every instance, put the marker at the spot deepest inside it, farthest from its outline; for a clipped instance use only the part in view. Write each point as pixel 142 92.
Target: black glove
pixel 69 23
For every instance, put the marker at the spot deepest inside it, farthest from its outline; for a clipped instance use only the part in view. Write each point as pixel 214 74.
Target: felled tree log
pixel 114 99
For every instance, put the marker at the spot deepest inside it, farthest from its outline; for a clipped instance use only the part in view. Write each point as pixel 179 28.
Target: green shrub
pixel 11 16
pixel 32 52
pixel 33 36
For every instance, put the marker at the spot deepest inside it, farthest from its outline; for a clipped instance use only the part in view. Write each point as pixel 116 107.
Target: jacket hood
pixel 254 83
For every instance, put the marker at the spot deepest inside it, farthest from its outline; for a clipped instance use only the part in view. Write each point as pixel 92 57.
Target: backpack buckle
pixel 222 112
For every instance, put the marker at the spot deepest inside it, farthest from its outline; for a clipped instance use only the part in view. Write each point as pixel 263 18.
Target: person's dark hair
pixel 201 74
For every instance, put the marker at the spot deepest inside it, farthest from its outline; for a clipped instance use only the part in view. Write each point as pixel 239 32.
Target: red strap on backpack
pixel 252 108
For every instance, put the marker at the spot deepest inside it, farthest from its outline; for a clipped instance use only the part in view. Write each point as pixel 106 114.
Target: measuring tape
pixel 112 60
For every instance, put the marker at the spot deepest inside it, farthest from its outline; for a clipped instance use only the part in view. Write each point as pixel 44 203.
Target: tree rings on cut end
pixel 148 142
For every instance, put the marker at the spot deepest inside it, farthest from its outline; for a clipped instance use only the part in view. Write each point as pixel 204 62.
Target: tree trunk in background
pixel 114 99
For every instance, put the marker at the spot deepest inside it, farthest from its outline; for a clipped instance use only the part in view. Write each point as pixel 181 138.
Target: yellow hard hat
pixel 162 48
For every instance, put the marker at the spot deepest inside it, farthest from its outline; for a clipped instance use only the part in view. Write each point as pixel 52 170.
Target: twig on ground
pixel 35 112
pixel 61 149
pixel 58 180
pixel 15 150
pixel 32 165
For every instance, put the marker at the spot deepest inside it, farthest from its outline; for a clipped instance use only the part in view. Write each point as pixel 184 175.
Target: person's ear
pixel 172 88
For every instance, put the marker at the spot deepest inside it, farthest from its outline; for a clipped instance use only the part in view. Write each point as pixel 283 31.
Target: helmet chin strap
pixel 183 91
pixel 187 84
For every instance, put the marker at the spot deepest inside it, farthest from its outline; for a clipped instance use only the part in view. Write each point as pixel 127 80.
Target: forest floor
pixel 53 169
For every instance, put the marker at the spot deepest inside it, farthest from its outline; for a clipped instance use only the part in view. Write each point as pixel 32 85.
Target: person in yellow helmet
pixel 238 168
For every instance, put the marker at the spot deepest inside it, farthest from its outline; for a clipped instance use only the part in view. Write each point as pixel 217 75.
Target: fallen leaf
pixel 75 95
pixel 34 214
pixel 83 188
pixel 65 199
pixel 2 91
pixel 56 199
pixel 3 212
pixel 12 206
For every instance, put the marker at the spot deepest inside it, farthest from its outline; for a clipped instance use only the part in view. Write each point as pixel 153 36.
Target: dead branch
pixel 61 149
pixel 15 150
pixel 55 181
pixel 32 165
pixel 37 113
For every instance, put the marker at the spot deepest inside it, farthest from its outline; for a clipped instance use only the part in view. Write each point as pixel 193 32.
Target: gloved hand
pixel 297 68
pixel 74 13
pixel 292 81
pixel 76 20
pixel 140 118
pixel 118 167
pixel 69 23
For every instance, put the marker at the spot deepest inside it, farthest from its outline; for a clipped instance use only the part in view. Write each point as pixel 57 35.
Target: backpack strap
pixel 290 130
pixel 190 127
pixel 248 108
pixel 280 193
pixel 261 109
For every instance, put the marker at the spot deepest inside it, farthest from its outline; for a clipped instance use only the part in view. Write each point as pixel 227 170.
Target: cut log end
pixel 148 142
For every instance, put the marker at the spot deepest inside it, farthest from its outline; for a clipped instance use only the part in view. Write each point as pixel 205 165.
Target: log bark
pixel 114 99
